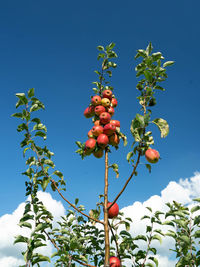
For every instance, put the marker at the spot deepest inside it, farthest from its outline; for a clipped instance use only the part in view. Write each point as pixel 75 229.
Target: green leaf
pixel 115 168
pixel 21 239
pixel 59 174
pixel 129 156
pixel 157 237
pixel 31 92
pixel 154 260
pixel 168 63
pixel 163 126
pixel 148 167
pixel 39 258
pixel 185 239
pixel 17 115
pixel 149 48
pixel 140 237
pixel 41 134
pixel 100 48
pixel 195 209
pixel 25 224
pixel 148 76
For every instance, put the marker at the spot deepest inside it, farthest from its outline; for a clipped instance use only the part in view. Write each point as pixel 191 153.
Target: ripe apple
pixel 90 134
pixel 114 140
pixel 152 155
pixel 99 109
pixel 97 130
pixel 98 154
pixel 105 102
pixel 102 140
pixel 90 144
pixel 114 102
pixel 89 112
pixel 109 129
pixel 113 211
pixel 97 123
pixel 104 118
pixel 107 94
pixel 96 100
pixel 111 111
pixel 115 123
pixel 114 262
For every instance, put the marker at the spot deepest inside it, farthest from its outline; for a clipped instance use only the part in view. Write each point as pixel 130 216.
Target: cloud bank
pixel 182 191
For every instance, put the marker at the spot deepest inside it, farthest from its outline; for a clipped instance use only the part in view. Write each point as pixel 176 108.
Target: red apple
pixel 97 123
pixel 109 129
pixel 152 155
pixel 114 139
pixel 90 144
pixel 114 102
pixel 90 134
pixel 98 154
pixel 114 262
pixel 115 123
pixel 104 117
pixel 105 102
pixel 102 140
pixel 99 109
pixel 107 94
pixel 111 111
pixel 113 211
pixel 97 130
pixel 96 100
pixel 89 112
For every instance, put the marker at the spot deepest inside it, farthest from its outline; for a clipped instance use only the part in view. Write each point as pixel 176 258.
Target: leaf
pixel 149 48
pixel 163 126
pixel 25 224
pixel 148 167
pixel 40 258
pixel 168 63
pixel 157 237
pixel 129 156
pixel 148 76
pixel 17 115
pixel 140 237
pixel 115 168
pixel 31 92
pixel 195 209
pixel 59 174
pixel 100 48
pixel 21 239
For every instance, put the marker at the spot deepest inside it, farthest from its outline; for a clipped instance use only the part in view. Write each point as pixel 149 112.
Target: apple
pixel 114 262
pixel 102 140
pixel 104 118
pixel 115 123
pixel 99 109
pixel 111 111
pixel 152 155
pixel 96 100
pixel 89 112
pixel 114 102
pixel 90 144
pixel 113 211
pixel 97 123
pixel 109 129
pixel 98 154
pixel 97 130
pixel 105 102
pixel 90 134
pixel 87 152
pixel 107 94
pixel 114 140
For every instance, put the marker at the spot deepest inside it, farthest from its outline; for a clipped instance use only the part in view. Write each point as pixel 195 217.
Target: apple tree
pixel 101 237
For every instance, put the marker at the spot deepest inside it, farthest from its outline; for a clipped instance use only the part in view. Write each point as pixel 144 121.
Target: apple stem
pixel 106 227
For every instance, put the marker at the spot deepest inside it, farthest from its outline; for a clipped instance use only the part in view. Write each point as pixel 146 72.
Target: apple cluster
pixel 105 130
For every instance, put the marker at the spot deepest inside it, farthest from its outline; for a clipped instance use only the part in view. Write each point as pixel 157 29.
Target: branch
pixel 124 187
pixel 84 264
pixel 73 206
pixel 116 243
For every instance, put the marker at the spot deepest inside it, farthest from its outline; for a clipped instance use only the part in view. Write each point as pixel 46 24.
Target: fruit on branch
pixel 104 118
pixel 114 102
pixel 111 111
pixel 114 262
pixel 115 123
pixel 109 129
pixel 89 112
pixel 90 144
pixel 99 109
pixel 107 94
pixel 96 100
pixel 152 155
pixel 102 140
pixel 98 154
pixel 113 211
pixel 97 130
pixel 97 123
pixel 105 102
pixel 90 134
pixel 114 140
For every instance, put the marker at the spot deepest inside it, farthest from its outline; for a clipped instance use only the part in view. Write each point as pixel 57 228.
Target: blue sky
pixel 51 46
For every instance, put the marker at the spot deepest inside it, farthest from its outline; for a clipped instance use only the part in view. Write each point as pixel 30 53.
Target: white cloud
pixel 183 191
pixel 10 255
